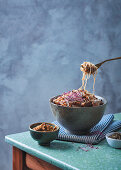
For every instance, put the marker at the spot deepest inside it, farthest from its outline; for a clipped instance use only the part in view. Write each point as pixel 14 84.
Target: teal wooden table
pixel 65 155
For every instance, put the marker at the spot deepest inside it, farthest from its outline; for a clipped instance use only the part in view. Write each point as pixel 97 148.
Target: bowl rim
pixel 103 99
pixel 44 131
pixel 115 140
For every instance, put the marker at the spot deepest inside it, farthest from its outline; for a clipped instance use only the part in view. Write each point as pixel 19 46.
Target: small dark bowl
pixel 43 137
pixel 78 120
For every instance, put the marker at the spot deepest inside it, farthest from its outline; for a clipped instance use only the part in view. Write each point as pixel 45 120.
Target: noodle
pixel 94 76
pixel 88 68
pixel 77 98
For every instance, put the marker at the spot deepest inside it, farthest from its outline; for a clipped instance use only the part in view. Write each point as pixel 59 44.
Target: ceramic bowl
pixel 78 120
pixel 115 143
pixel 43 137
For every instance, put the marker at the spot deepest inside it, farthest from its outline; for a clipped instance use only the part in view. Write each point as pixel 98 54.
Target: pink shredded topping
pixel 87 148
pixel 77 98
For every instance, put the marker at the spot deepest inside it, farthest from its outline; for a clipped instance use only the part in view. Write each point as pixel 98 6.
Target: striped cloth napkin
pixel 95 135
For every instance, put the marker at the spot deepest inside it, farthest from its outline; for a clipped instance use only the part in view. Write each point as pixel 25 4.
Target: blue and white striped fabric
pixel 96 134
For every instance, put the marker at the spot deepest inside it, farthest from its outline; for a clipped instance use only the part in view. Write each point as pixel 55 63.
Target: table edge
pixel 34 152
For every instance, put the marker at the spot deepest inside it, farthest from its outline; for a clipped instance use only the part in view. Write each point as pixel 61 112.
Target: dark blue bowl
pixel 78 120
pixel 43 137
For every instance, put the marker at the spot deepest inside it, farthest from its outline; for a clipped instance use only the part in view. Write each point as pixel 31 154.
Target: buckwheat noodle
pixel 88 68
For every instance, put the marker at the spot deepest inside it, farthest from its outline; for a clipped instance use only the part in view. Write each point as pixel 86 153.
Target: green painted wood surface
pixel 66 155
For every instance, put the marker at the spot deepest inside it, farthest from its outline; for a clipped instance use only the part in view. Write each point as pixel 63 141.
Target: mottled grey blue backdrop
pixel 42 44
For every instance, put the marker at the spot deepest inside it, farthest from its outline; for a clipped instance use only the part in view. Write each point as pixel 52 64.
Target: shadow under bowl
pixel 43 137
pixel 78 120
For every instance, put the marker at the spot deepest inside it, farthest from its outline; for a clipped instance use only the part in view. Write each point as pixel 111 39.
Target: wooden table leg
pixel 31 162
pixel 18 159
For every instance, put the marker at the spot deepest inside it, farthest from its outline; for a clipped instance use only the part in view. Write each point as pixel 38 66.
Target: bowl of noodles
pixel 78 110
